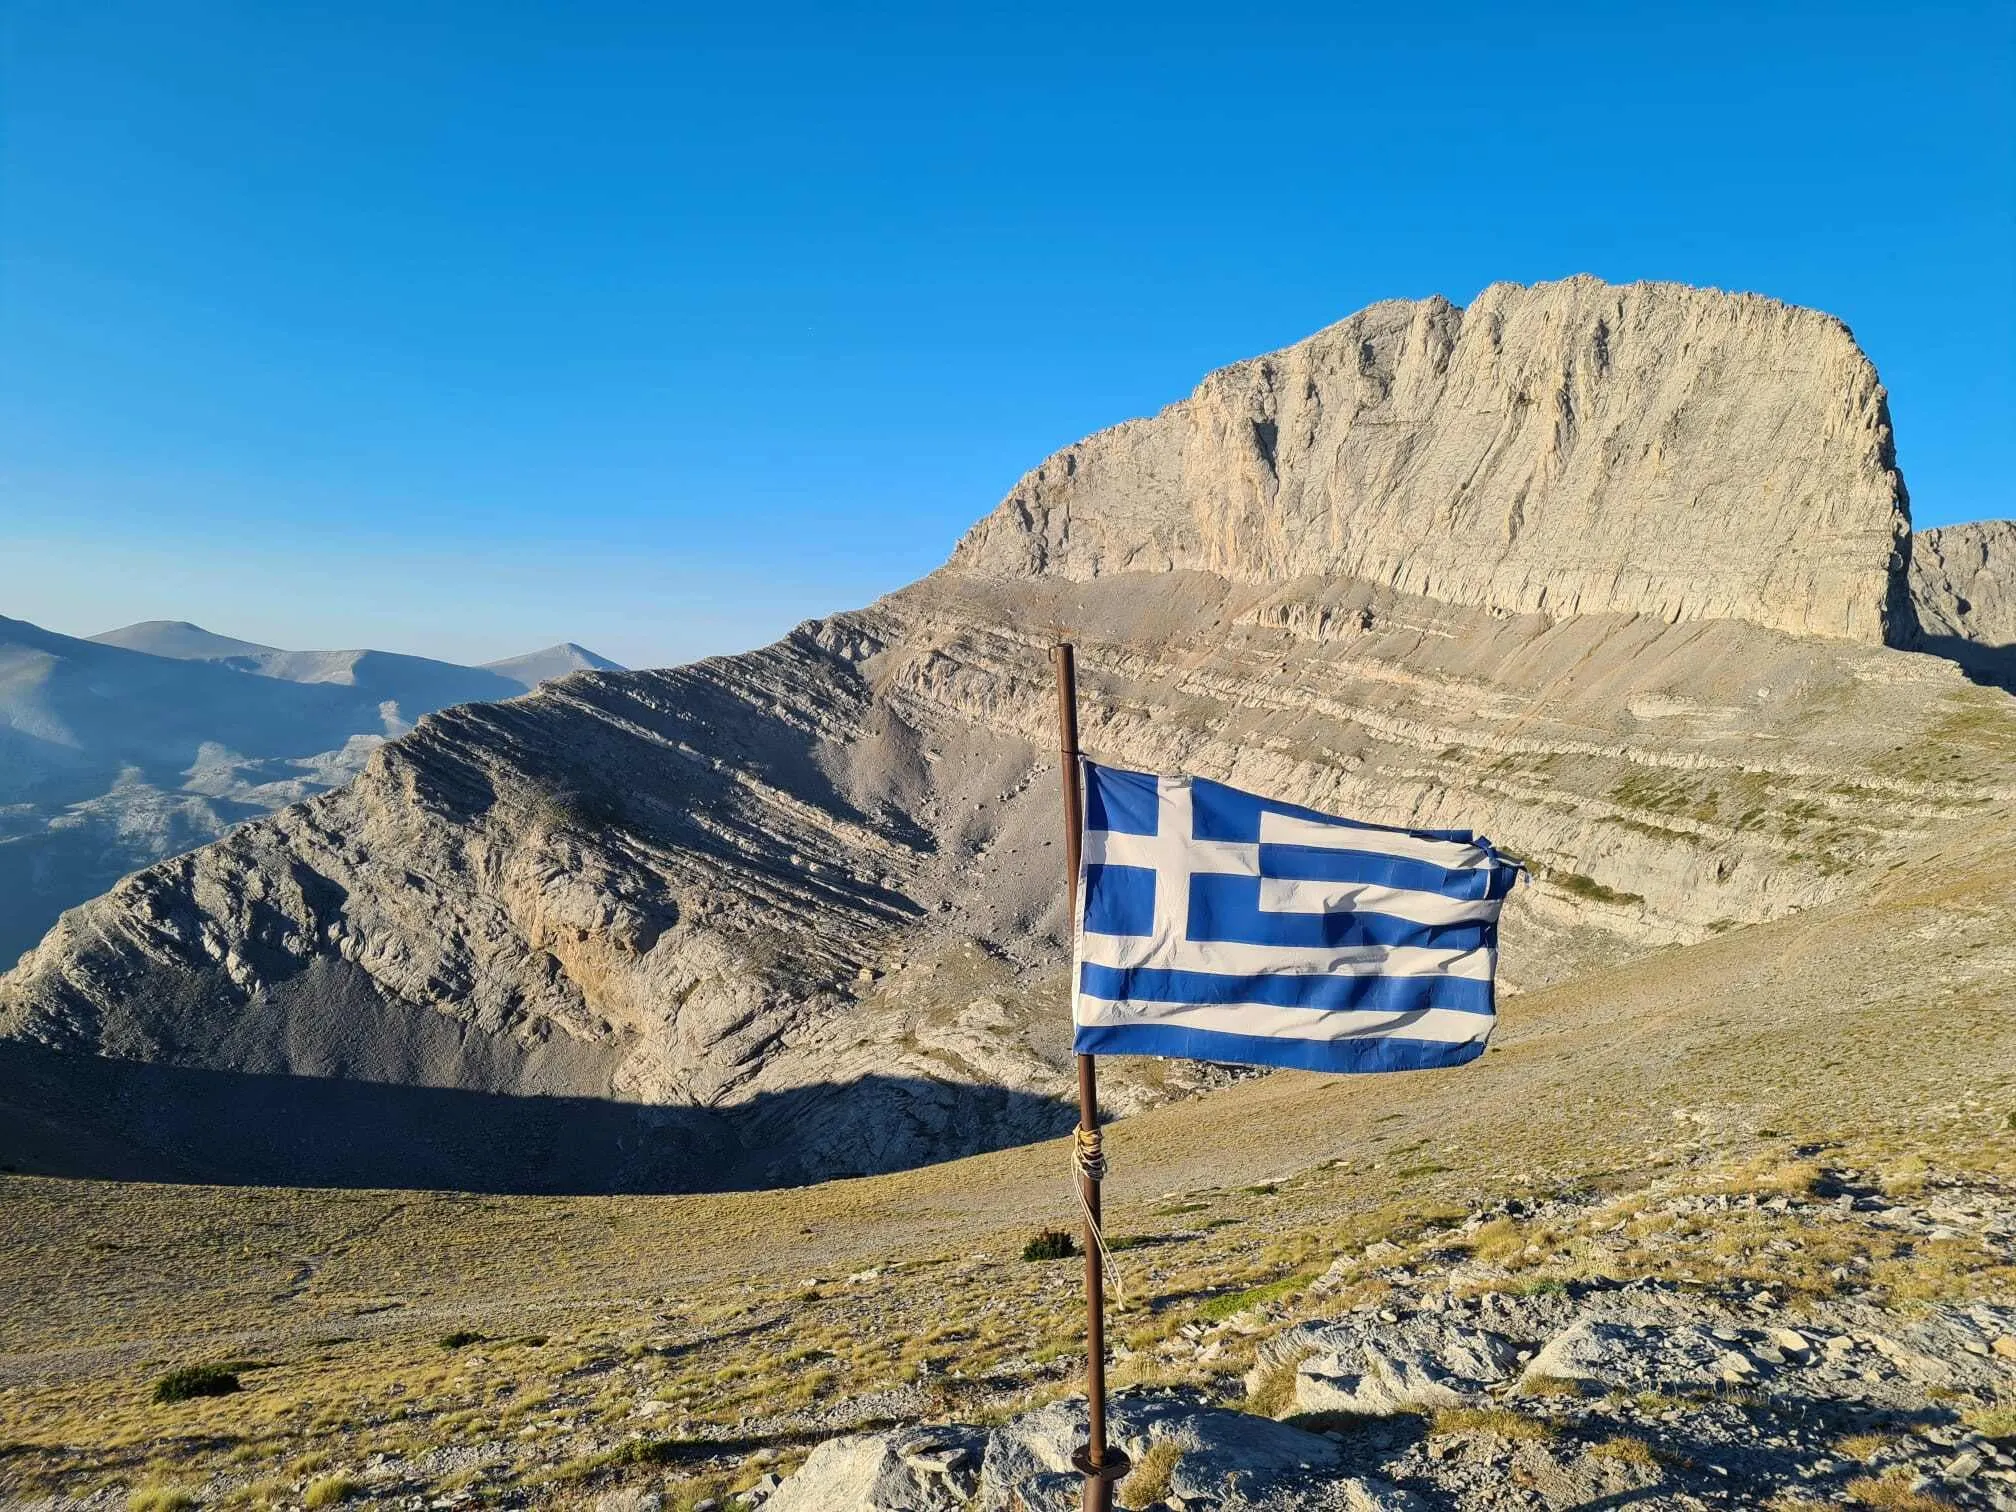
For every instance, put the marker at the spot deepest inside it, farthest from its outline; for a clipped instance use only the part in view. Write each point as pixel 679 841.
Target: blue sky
pixel 462 329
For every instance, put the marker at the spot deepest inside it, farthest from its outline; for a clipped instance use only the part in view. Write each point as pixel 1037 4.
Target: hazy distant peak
pixel 181 640
pixel 535 667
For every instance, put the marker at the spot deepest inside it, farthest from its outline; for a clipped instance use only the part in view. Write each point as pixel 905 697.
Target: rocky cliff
pixel 1571 448
pixel 1963 588
pixel 809 898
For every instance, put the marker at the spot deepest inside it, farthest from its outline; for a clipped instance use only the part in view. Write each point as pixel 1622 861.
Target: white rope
pixel 1088 1161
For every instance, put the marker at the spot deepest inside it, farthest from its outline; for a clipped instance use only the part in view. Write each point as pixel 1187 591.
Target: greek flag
pixel 1217 925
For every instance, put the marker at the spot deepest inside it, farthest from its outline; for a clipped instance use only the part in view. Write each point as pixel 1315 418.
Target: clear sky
pixel 465 328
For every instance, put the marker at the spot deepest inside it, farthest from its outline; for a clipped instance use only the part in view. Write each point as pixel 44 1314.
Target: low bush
pixel 460 1339
pixel 1051 1244
pixel 195 1381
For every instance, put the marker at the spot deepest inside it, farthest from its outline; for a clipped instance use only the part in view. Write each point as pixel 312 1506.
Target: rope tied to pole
pixel 1089 1154
pixel 1088 1160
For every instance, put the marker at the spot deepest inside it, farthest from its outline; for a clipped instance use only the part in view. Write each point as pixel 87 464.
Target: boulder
pixel 1367 1366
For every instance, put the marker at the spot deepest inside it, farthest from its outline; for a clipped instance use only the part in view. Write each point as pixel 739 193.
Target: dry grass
pixel 1149 1481
pixel 1548 1386
pixel 1502 1421
pixel 332 1490
pixel 1274 1393
pixel 1626 1449
pixel 1893 1491
pixel 1996 1422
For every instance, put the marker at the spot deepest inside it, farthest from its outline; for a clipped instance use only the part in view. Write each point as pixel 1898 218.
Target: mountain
pixel 417 682
pixel 535 667
pixel 139 743
pixel 183 641
pixel 1619 575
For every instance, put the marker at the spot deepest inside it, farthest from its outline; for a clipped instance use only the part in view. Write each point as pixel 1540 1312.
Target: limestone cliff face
pixel 809 901
pixel 1569 448
pixel 1963 581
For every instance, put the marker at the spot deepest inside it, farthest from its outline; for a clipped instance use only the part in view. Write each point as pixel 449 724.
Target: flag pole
pixel 1098 1462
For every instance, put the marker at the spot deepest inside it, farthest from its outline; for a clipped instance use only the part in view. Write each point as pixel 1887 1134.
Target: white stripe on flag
pixel 1228 958
pixel 1291 895
pixel 1288 829
pixel 1442 1025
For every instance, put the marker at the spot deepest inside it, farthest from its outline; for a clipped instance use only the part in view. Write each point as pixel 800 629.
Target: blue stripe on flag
pixel 1383 994
pixel 1227 908
pixel 1314 863
pixel 1338 1055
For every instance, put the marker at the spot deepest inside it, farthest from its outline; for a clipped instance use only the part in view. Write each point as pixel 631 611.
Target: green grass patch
pixel 1220 1308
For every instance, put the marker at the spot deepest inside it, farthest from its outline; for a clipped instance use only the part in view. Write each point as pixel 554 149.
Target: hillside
pixel 1797 1125
pixel 796 913
pixel 147 741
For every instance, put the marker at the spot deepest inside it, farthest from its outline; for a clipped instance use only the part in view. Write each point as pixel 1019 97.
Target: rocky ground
pixel 1569 1274
pixel 1749 1322
pixel 1637 1362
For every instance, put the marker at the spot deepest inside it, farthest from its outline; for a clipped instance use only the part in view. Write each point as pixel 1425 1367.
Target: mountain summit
pixel 535 667
pixel 1619 575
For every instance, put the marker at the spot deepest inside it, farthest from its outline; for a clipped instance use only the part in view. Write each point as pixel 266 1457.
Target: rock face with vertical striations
pixel 1605 573
pixel 1572 448
pixel 1963 587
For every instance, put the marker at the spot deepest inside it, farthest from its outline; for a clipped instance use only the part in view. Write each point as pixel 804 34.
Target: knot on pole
pixel 1090 1155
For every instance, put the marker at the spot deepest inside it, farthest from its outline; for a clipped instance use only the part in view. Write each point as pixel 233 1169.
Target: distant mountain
pixel 535 667
pixel 182 641
pixel 134 745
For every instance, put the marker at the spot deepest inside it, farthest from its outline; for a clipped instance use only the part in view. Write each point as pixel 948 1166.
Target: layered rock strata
pixel 813 892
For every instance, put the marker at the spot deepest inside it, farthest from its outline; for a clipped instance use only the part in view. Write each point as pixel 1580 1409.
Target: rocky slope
pixel 141 742
pixel 810 895
pixel 1752 1201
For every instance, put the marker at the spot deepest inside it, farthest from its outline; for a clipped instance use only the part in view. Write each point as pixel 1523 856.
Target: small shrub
pixel 195 1381
pixel 332 1490
pixel 460 1339
pixel 159 1499
pixel 1051 1244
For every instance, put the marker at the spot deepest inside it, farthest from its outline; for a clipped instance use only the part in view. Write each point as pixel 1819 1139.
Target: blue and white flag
pixel 1217 925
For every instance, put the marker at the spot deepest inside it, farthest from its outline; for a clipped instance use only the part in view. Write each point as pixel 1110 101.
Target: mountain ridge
pixel 117 755
pixel 823 875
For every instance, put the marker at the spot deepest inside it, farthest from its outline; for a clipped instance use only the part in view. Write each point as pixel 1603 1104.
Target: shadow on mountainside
pixel 1991 666
pixel 96 1118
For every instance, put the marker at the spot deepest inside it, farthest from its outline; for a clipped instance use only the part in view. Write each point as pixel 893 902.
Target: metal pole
pixel 1100 1465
